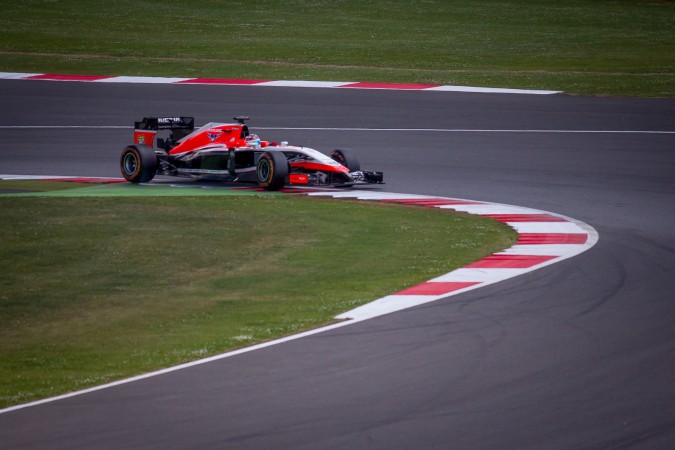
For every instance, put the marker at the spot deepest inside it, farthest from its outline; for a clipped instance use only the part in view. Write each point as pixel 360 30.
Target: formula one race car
pixel 229 152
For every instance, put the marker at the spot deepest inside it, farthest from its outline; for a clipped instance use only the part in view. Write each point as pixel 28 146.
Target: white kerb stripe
pixel 146 80
pixel 16 76
pixel 491 209
pixel 491 90
pixel 546 227
pixel 544 249
pixel 482 275
pixel 314 84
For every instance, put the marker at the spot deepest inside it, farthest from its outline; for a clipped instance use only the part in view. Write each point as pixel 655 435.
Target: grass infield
pixel 603 47
pixel 98 288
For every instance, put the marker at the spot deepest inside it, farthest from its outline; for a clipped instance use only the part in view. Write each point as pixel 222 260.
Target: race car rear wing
pixel 146 129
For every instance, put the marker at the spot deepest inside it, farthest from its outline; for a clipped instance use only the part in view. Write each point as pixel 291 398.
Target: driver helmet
pixel 252 140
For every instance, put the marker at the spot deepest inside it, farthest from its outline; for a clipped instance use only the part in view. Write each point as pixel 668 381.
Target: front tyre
pixel 347 158
pixel 138 163
pixel 272 170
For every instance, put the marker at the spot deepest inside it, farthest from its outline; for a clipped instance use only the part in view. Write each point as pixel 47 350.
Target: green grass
pixel 97 289
pixel 620 47
pixel 35 186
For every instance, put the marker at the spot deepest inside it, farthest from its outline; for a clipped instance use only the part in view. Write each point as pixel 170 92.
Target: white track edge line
pixel 426 130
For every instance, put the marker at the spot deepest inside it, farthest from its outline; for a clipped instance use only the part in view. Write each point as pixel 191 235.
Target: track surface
pixel 577 355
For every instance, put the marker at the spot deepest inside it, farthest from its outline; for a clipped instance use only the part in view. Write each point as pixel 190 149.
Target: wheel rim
pixel 263 170
pixel 130 164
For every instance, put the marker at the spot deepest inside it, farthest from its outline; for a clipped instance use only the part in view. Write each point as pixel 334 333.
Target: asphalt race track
pixel 578 355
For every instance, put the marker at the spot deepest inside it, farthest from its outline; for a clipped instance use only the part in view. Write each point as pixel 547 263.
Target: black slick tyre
pixel 138 163
pixel 272 171
pixel 347 158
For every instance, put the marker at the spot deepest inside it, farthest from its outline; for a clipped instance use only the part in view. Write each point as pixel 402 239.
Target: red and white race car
pixel 229 152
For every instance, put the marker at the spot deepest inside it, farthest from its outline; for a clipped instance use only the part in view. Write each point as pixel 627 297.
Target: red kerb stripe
pixel 552 238
pixel 58 77
pixel 510 262
pixel 524 217
pixel 429 201
pixel 436 288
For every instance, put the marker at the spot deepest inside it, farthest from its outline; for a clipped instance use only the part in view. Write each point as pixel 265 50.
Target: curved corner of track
pixel 544 238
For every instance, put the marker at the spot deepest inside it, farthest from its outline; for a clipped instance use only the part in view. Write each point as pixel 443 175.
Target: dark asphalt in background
pixel 577 355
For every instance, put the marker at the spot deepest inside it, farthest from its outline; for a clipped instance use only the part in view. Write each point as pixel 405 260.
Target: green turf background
pixel 602 47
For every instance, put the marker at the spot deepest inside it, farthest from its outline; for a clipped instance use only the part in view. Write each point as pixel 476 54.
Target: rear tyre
pixel 138 163
pixel 347 158
pixel 272 170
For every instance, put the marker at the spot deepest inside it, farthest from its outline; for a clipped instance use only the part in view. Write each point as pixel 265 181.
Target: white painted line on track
pixel 392 130
pixel 463 130
pixel 482 273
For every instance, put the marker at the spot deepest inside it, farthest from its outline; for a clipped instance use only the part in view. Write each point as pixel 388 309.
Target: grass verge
pixel 97 289
pixel 622 47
